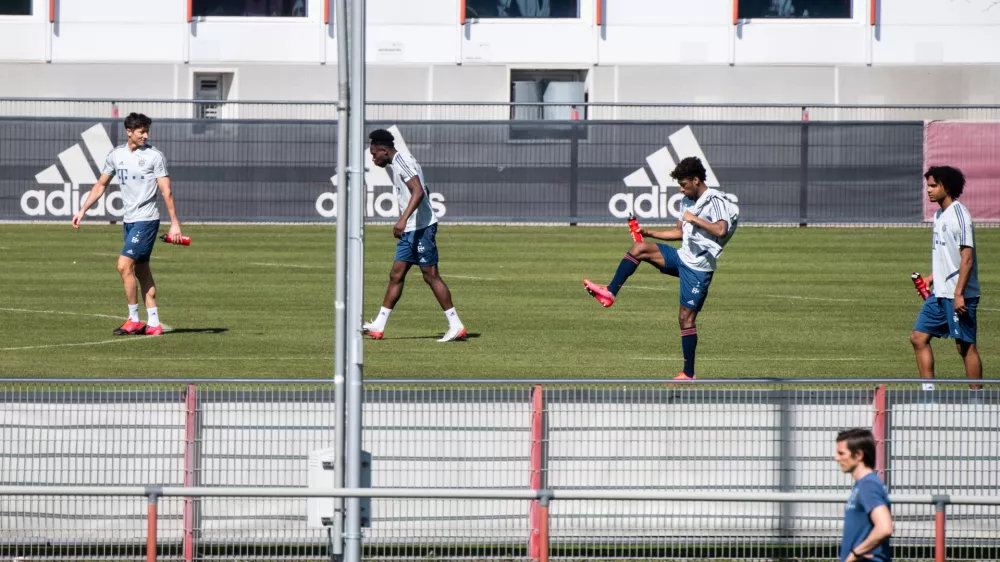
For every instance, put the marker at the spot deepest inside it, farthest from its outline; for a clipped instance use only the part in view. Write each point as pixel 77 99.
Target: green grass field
pixel 257 301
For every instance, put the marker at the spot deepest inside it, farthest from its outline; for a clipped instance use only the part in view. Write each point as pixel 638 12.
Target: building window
pixel 564 95
pixel 789 9
pixel 250 8
pixel 15 7
pixel 490 9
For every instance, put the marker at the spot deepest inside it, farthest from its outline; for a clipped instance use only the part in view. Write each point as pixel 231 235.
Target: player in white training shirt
pixel 950 311
pixel 141 171
pixel 706 226
pixel 416 229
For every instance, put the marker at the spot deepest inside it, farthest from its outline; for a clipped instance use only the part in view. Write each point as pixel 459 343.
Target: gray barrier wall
pixel 593 171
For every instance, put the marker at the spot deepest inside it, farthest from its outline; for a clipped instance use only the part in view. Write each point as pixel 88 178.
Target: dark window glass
pixel 522 8
pixel 788 9
pixel 15 7
pixel 250 8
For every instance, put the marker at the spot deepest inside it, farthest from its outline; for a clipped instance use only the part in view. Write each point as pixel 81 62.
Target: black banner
pixel 583 171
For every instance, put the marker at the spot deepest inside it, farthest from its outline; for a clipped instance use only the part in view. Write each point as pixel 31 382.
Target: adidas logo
pixel 66 202
pixel 383 205
pixel 658 203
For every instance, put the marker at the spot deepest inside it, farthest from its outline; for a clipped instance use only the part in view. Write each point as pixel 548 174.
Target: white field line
pixel 120 339
pixel 25 310
pixel 795 359
pixel 291 265
pixel 810 298
pixel 642 288
pixel 469 277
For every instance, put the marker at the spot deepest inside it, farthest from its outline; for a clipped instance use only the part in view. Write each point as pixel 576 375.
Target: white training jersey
pixel 700 250
pixel 405 167
pixel 952 230
pixel 137 173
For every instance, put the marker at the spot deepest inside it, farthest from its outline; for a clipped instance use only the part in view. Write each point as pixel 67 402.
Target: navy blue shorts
pixel 418 246
pixel 937 317
pixel 694 284
pixel 139 239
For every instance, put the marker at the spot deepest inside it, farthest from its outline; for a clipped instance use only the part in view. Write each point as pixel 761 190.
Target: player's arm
pixel 416 196
pixel 673 234
pixel 168 200
pixel 95 194
pixel 964 271
pixel 717 229
pixel 881 530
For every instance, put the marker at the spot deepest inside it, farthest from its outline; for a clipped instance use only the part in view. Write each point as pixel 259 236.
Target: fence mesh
pixel 760 437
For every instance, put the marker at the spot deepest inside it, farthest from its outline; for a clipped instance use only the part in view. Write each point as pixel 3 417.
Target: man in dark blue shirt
pixel 867 520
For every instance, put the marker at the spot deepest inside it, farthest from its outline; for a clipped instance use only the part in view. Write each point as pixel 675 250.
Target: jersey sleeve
pixel 404 167
pixel 716 211
pixel 109 164
pixel 160 167
pixel 871 495
pixel 965 234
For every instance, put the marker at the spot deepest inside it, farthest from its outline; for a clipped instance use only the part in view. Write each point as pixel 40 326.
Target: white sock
pixel 378 324
pixel 153 317
pixel 133 312
pixel 452 316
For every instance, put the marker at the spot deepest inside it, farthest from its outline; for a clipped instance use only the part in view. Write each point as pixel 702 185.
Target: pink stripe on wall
pixel 973 148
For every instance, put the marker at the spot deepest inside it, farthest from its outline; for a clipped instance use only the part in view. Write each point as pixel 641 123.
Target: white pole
pixel 340 306
pixel 355 276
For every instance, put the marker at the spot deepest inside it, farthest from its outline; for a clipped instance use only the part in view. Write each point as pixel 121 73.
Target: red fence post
pixel 538 541
pixel 874 12
pixel 189 10
pixel 600 13
pixel 52 11
pixel 878 430
pixel 736 12
pixel 189 455
pixel 151 528
pixel 461 14
pixel 939 531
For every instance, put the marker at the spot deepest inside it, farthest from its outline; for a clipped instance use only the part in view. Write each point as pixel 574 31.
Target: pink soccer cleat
pixel 599 292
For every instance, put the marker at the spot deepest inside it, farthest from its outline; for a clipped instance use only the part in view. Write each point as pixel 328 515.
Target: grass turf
pixel 257 301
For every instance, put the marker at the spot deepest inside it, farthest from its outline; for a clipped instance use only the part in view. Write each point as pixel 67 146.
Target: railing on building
pixel 589 436
pixel 492 111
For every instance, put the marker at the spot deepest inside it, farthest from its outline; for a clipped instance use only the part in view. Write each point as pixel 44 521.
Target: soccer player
pixel 867 516
pixel 415 230
pixel 950 311
pixel 141 169
pixel 707 225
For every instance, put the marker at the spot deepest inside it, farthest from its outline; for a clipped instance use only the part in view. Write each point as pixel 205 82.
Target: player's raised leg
pixel 456 330
pixel 126 268
pixel 393 291
pixel 639 252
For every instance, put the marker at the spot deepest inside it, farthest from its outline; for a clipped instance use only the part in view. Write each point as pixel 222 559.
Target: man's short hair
pixel 952 179
pixel 137 121
pixel 860 439
pixel 381 137
pixel 690 167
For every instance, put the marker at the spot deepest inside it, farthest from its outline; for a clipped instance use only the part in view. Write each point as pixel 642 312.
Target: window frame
pixel 39 10
pixel 520 132
pixel 312 7
pixel 580 11
pixel 857 16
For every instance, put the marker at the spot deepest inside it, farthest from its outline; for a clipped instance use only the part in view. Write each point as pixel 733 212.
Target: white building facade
pixel 638 51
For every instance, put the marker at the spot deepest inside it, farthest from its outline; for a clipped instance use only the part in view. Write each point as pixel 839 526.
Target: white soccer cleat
pixel 454 334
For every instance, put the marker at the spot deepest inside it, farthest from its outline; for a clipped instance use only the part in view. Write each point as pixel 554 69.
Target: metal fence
pixel 638 437
pixel 697 545
pixel 490 111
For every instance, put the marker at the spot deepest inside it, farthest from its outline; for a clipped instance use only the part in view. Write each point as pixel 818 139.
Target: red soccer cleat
pixel 154 330
pixel 129 328
pixel 366 329
pixel 683 377
pixel 599 292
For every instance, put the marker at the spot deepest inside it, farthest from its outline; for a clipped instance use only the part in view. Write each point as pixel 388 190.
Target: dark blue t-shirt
pixel 867 494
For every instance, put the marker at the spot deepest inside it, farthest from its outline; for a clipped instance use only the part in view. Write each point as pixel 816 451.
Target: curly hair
pixel 381 137
pixel 690 167
pixel 952 179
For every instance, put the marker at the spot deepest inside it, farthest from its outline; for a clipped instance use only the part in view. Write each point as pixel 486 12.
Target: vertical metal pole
pixel 340 305
pixel 355 276
pixel 939 518
pixel 804 175
pixel 151 527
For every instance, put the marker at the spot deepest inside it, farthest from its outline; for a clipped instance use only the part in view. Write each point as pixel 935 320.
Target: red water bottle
pixel 918 282
pixel 633 227
pixel 185 240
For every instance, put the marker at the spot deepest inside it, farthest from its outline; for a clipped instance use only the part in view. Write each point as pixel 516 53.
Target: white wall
pixel 427 35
